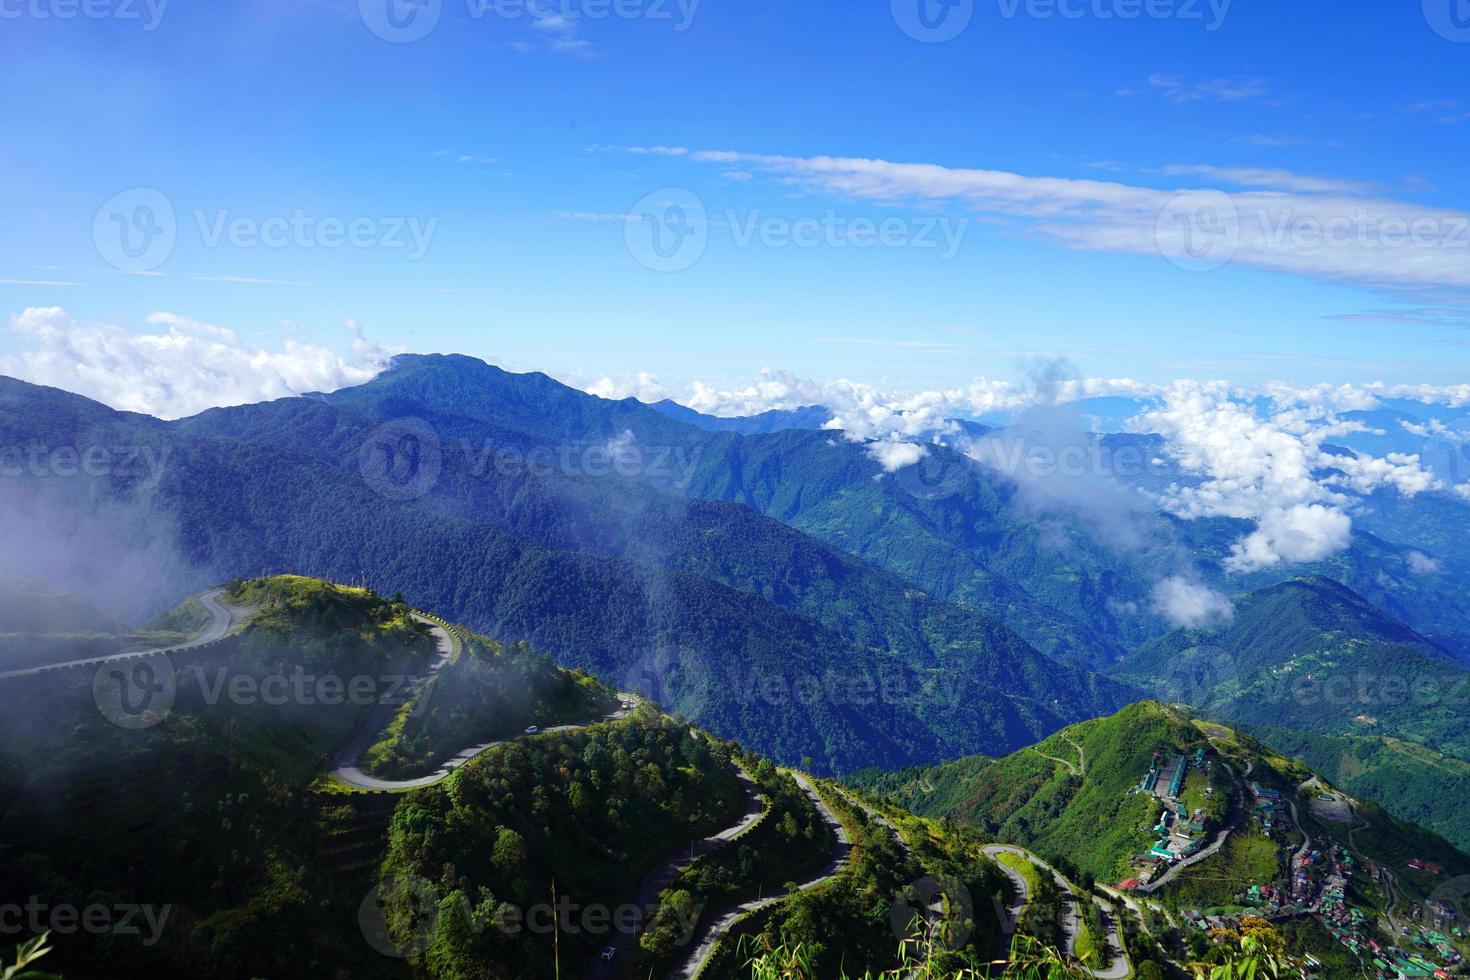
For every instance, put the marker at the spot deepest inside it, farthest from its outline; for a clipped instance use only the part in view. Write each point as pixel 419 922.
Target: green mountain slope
pixel 601 572
pixel 1413 782
pixel 221 822
pixel 1312 654
pixel 1044 798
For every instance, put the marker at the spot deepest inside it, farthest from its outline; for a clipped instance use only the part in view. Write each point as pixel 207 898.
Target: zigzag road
pixel 657 880
pixel 693 963
pixel 1117 969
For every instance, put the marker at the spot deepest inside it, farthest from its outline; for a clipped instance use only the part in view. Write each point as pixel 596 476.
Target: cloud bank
pixel 1264 454
pixel 181 367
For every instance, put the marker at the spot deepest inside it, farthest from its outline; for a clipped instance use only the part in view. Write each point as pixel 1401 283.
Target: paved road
pixel 222 619
pixel 1071 924
pixel 1081 753
pixel 1301 852
pixel 1078 768
pixel 1021 893
pixel 1071 766
pixel 346 765
pixel 712 932
pixel 1117 969
pixel 1390 881
pixel 658 879
pixel 1128 902
pixel 1237 814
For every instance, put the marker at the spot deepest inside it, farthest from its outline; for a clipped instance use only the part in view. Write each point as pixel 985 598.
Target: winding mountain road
pixel 1071 924
pixel 1078 768
pixel 1390 880
pixel 1117 969
pixel 222 619
pixel 693 963
pixel 653 883
pixel 346 767
pixel 879 819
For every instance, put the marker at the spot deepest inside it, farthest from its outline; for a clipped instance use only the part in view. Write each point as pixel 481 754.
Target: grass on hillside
pixel 1246 859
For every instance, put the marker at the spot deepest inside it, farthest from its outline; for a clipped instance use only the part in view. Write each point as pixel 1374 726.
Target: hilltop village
pixel 1303 874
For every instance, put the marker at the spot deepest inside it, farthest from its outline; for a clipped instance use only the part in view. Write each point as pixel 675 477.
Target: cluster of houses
pixel 1179 832
pixel 1438 920
pixel 1266 807
pixel 1316 886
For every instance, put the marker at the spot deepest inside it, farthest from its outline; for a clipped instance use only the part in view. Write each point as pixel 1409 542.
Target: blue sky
pixel 507 140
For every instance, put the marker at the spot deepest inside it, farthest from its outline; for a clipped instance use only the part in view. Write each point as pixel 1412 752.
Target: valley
pixel 758 707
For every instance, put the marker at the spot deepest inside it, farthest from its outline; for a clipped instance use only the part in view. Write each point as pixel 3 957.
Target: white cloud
pixel 1191 605
pixel 1421 564
pixel 181 368
pixel 1258 453
pixel 894 456
pixel 1272 468
pixel 1223 89
pixel 1277 179
pixel 1302 533
pixel 642 386
pixel 1317 228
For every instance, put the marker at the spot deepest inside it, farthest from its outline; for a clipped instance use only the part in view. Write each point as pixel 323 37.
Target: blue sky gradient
pixel 506 140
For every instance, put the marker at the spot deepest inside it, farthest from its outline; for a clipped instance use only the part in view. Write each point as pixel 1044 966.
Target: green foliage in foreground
pixel 1254 956
pixel 920 958
pixel 26 954
pixel 587 813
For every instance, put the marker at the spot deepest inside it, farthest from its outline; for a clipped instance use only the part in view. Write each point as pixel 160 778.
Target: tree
pixel 509 854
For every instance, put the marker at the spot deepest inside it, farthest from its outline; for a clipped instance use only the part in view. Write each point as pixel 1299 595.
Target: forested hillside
pixel 1315 656
pixel 721 614
pixel 219 817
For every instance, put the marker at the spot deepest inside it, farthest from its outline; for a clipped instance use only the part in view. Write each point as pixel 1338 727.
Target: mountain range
pixel 689 610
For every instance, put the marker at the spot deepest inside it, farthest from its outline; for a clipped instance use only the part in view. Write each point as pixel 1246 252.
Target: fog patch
pixel 1186 604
